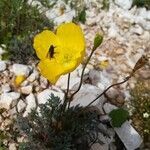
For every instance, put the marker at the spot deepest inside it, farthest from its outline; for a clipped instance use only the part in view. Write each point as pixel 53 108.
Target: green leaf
pixel 82 16
pixel 97 41
pixel 118 117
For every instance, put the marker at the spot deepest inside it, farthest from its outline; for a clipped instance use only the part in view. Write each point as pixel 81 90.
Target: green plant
pixel 49 128
pixel 142 3
pixel 140 100
pixel 81 16
pixel 118 117
pixel 56 125
pixel 18 21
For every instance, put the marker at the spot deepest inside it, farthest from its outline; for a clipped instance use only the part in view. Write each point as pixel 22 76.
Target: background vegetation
pixel 18 22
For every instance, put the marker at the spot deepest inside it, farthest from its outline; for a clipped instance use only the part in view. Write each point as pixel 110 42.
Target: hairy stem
pixel 82 74
pixel 125 80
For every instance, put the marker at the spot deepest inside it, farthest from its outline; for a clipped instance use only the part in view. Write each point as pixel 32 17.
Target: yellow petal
pixel 72 47
pixel 72 39
pixel 43 41
pixel 50 70
pixel 19 79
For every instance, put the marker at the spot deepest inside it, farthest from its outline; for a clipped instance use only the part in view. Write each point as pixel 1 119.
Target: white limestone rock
pixel 58 16
pixel 7 98
pixel 31 103
pixel 19 69
pixel 12 146
pixel 26 89
pixel 74 79
pixel 86 94
pixel 137 30
pixel 21 105
pixel 2 66
pixel 128 135
pixel 125 4
pixel 6 88
pixel 33 76
pixel 100 79
pixel 43 96
pixel 43 82
pixel 113 31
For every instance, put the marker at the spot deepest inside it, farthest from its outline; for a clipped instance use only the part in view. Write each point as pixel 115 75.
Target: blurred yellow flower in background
pixel 59 53
pixel 19 79
pixel 103 64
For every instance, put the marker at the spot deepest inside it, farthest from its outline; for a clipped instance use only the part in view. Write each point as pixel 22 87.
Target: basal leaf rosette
pixel 59 53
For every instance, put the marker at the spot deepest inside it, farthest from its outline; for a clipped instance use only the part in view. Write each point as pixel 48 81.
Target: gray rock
pixel 98 146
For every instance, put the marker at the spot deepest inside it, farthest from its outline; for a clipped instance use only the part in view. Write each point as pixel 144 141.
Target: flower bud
pixel 97 41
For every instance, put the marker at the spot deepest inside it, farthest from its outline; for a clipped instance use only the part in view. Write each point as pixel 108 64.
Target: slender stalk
pixel 68 83
pixel 126 79
pixel 66 94
pixel 82 74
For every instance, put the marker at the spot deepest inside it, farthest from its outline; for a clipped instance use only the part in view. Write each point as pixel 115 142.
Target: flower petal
pixel 50 70
pixel 43 41
pixel 72 39
pixel 72 47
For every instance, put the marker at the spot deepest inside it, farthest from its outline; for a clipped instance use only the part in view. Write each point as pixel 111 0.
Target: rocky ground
pixel 126 33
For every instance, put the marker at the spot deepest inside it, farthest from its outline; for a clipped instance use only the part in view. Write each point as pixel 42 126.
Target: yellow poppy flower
pixel 59 53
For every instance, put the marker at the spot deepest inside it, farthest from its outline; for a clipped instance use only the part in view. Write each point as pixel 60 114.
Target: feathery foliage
pixel 50 129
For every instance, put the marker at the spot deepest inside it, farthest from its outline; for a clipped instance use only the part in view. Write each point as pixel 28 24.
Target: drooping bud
pixel 143 60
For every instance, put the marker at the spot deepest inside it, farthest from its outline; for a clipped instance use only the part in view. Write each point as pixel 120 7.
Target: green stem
pixel 82 74
pixel 66 95
pixel 68 83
